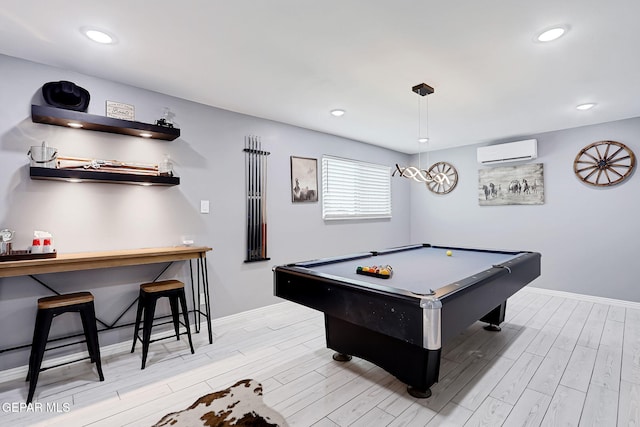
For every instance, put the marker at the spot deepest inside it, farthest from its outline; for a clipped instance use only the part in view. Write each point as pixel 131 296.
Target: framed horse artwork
pixel 304 180
pixel 511 185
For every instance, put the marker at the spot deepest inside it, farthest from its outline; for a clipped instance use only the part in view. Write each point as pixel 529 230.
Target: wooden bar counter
pixel 103 259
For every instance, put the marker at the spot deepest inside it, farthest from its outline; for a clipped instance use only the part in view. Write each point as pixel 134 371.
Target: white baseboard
pixel 589 298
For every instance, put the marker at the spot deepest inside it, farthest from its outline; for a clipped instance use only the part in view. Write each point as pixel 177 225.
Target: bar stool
pixel 50 307
pixel 149 294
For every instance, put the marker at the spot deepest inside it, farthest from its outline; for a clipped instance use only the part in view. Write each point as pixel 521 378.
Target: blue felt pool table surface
pixel 417 270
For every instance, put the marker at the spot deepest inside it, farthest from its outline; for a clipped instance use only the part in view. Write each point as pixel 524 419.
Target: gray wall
pixel 588 236
pixel 208 158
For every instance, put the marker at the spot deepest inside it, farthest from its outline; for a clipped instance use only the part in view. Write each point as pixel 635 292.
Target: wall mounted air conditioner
pixel 509 152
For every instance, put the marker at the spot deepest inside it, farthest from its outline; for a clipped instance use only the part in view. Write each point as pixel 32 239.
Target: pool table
pixel 401 322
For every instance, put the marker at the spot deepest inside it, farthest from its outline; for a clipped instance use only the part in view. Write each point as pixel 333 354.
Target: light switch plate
pixel 204 206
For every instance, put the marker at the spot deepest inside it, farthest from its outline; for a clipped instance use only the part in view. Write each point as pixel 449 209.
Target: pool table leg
pixel 341 357
pixel 413 391
pixel 495 317
pixel 415 366
pixel 420 394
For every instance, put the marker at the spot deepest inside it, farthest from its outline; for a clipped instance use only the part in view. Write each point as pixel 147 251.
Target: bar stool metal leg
pixel 40 334
pixel 149 311
pixel 173 301
pixel 138 318
pixel 88 316
pixel 185 314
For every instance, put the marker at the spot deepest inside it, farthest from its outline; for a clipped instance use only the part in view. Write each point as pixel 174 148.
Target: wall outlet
pixel 204 206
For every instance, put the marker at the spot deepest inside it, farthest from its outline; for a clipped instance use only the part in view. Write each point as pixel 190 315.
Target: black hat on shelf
pixel 64 94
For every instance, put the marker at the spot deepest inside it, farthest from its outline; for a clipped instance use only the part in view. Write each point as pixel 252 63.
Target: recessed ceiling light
pixel 423 140
pixel 586 106
pixel 74 125
pixel 337 112
pixel 551 34
pixel 98 36
pixel 146 135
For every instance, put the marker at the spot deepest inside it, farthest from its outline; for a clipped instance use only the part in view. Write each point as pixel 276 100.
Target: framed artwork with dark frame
pixel 304 179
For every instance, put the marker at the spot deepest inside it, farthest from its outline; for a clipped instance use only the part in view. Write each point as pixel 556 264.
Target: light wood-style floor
pixel 557 361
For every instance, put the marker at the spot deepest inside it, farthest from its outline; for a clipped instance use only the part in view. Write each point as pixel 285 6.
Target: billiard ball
pixel 449 253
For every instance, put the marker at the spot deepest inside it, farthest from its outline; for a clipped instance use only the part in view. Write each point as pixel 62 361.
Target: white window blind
pixel 355 190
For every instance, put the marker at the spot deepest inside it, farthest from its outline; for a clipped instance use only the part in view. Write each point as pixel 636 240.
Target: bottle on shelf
pixel 165 168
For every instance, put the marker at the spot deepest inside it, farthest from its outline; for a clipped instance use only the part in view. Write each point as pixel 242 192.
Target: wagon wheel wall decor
pixel 604 163
pixel 444 178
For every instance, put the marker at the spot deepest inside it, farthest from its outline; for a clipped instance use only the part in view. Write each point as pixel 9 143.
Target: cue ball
pixel 449 253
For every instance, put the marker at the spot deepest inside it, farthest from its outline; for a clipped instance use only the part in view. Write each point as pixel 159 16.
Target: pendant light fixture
pixel 417 173
pixel 440 178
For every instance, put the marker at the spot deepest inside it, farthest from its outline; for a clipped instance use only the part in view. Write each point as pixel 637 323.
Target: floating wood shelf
pixel 81 175
pixel 61 117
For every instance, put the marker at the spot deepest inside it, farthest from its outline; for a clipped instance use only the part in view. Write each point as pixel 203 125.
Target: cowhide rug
pixel 239 405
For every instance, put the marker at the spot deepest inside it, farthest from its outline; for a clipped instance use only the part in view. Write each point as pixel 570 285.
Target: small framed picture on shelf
pixel 304 179
pixel 119 110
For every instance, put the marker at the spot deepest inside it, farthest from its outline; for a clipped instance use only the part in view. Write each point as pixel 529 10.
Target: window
pixel 355 190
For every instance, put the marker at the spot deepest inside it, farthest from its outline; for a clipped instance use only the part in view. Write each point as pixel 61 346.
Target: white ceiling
pixel 294 60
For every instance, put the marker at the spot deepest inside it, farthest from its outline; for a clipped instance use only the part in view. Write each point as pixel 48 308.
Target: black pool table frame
pixel 400 331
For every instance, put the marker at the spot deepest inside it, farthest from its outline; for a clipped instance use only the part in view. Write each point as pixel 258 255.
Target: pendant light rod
pixel 423 90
